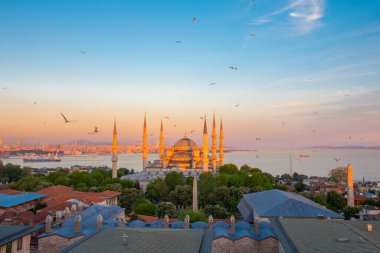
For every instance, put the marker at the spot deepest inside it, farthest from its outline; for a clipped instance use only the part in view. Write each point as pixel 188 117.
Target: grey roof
pixel 313 235
pixel 145 241
pixel 276 203
pixel 11 233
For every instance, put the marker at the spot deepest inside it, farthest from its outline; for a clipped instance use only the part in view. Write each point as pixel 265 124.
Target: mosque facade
pixel 185 154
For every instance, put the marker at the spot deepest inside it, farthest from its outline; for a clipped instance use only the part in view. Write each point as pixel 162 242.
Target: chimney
pixel 48 221
pixel 58 217
pixel 78 219
pixel 232 221
pixel 350 187
pixel 166 221
pixel 125 239
pixel 80 207
pixel 187 221
pixel 210 222
pixel 74 209
pixel 256 223
pixel 121 223
pixel 67 213
pixel 99 222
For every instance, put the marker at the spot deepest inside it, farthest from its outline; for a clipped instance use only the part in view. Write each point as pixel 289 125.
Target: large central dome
pixel 185 144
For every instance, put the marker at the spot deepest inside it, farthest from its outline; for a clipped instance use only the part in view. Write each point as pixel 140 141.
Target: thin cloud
pixel 305 15
pixel 297 104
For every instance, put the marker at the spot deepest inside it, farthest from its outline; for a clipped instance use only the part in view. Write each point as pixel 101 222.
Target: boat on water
pixel 304 155
pixel 32 159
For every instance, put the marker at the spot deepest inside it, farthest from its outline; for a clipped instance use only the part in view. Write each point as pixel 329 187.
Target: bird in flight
pixel 175 125
pixel 178 41
pixel 337 159
pixel 192 131
pixel 233 67
pixel 151 134
pixel 4 88
pixel 252 35
pixel 237 105
pixel 166 117
pixel 350 137
pixel 258 139
pixel 211 84
pixel 35 102
pixel 314 131
pixel 96 130
pixel 315 113
pixel 66 120
pixel 194 19
pixel 201 117
pixel 82 52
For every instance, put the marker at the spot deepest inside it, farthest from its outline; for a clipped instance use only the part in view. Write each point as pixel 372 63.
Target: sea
pixel 311 162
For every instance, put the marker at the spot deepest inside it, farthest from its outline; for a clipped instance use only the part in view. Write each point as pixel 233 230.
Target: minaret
pixel 114 151
pixel 195 195
pixel 221 145
pixel 205 148
pixel 213 146
pixel 350 186
pixel 161 147
pixel 145 145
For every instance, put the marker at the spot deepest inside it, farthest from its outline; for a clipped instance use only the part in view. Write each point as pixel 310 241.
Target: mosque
pixel 184 155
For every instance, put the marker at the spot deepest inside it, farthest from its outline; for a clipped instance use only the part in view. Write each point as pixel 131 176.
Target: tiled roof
pixel 10 192
pixel 14 200
pixel 276 203
pixel 11 233
pixel 144 241
pixel 312 235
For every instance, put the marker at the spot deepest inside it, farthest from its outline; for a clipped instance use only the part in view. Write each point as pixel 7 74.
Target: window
pixel 19 244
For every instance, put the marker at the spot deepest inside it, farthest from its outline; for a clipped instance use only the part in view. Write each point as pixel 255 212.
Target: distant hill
pixel 346 147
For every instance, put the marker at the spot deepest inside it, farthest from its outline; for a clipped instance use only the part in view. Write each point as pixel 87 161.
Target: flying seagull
pixel 66 120
pixel 314 131
pixel 252 35
pixel 192 131
pixel 175 125
pixel 258 139
pixel 151 134
pixel 337 159
pixel 237 105
pixel 82 52
pixel 201 117
pixel 211 84
pixel 4 88
pixel 233 67
pixel 166 117
pixel 194 19
pixel 178 41
pixel 35 102
pixel 96 130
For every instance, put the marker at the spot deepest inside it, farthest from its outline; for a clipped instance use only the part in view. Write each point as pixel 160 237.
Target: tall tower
pixel 350 186
pixel 145 145
pixel 213 145
pixel 195 195
pixel 114 151
pixel 161 147
pixel 221 145
pixel 205 148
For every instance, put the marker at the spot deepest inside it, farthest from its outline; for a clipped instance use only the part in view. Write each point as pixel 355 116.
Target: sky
pixel 307 70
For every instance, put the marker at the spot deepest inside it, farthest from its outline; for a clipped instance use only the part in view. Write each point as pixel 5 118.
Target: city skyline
pixel 307 71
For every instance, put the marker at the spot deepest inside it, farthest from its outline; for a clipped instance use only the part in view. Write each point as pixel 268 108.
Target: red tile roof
pixel 10 192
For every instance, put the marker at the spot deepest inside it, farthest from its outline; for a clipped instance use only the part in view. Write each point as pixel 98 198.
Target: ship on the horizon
pixel 49 158
pixel 304 155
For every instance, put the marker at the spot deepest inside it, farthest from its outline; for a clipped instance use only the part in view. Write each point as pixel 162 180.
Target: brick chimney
pixel 99 222
pixel 67 213
pixel 232 221
pixel 58 217
pixel 121 223
pixel 74 209
pixel 48 221
pixel 125 239
pixel 80 207
pixel 187 221
pixel 166 221
pixel 210 222
pixel 78 219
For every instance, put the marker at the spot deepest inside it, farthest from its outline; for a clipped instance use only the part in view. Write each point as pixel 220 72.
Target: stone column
pixel 48 221
pixel 210 222
pixel 78 219
pixel 350 187
pixel 195 195
pixel 187 221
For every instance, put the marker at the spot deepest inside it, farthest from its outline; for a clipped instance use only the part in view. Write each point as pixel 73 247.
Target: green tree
pixel 369 202
pixel 145 208
pixel 181 196
pixel 194 216
pixel 157 190
pixel 206 187
pixel 173 179
pixel 166 208
pixel 228 168
pixel 222 197
pixel 113 187
pixel 338 175
pixel 299 186
pixel 129 196
pixel 222 179
pixel 216 211
pixel 350 211
pixel 335 201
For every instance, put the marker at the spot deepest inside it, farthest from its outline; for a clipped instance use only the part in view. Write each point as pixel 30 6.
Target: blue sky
pixel 307 56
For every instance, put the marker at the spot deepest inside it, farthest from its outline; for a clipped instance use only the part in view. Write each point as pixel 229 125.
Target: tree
pixel 320 200
pixel 206 186
pixel 249 170
pixel 369 202
pixel 157 190
pixel 299 186
pixel 172 179
pixel 181 196
pixel 194 216
pixel 222 197
pixel 228 168
pixel 338 175
pixel 113 187
pixel 165 208
pixel 216 211
pixel 129 196
pixel 335 201
pixel 145 208
pixel 350 211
